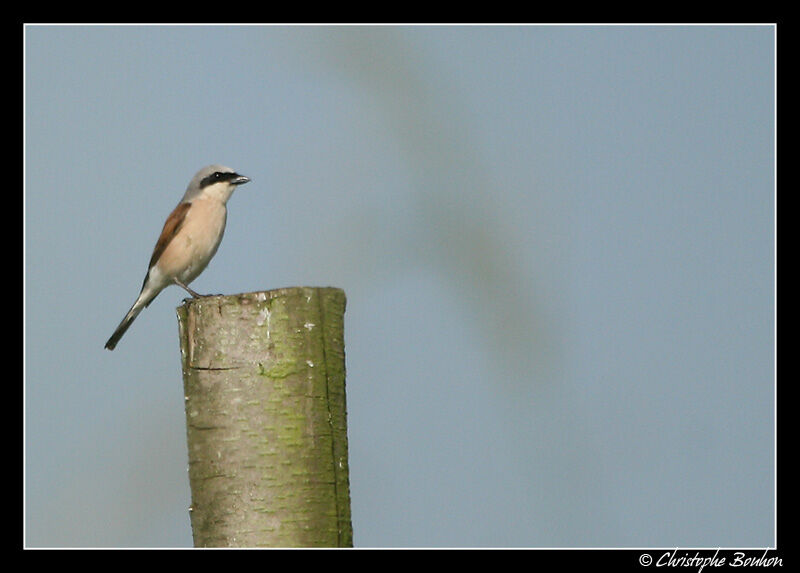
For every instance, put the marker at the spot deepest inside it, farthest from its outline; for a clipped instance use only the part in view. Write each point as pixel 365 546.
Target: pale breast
pixel 197 241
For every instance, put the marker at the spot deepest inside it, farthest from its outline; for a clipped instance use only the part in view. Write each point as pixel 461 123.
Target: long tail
pixel 145 297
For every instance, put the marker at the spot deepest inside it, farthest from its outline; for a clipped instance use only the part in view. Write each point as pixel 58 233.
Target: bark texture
pixel 264 381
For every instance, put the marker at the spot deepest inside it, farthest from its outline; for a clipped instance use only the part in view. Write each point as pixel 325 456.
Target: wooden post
pixel 264 381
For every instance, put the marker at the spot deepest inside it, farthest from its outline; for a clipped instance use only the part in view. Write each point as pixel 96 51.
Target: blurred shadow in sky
pixel 450 225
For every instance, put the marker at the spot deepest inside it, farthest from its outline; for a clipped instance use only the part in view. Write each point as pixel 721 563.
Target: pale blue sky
pixel 557 244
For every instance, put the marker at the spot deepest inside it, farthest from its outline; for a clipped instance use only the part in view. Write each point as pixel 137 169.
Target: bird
pixel 190 238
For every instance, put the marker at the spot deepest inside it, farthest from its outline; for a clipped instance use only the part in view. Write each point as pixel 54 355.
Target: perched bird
pixel 189 240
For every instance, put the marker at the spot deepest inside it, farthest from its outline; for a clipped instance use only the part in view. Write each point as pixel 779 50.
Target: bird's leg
pixel 187 289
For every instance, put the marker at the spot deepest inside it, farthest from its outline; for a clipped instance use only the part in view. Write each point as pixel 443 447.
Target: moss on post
pixel 264 380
